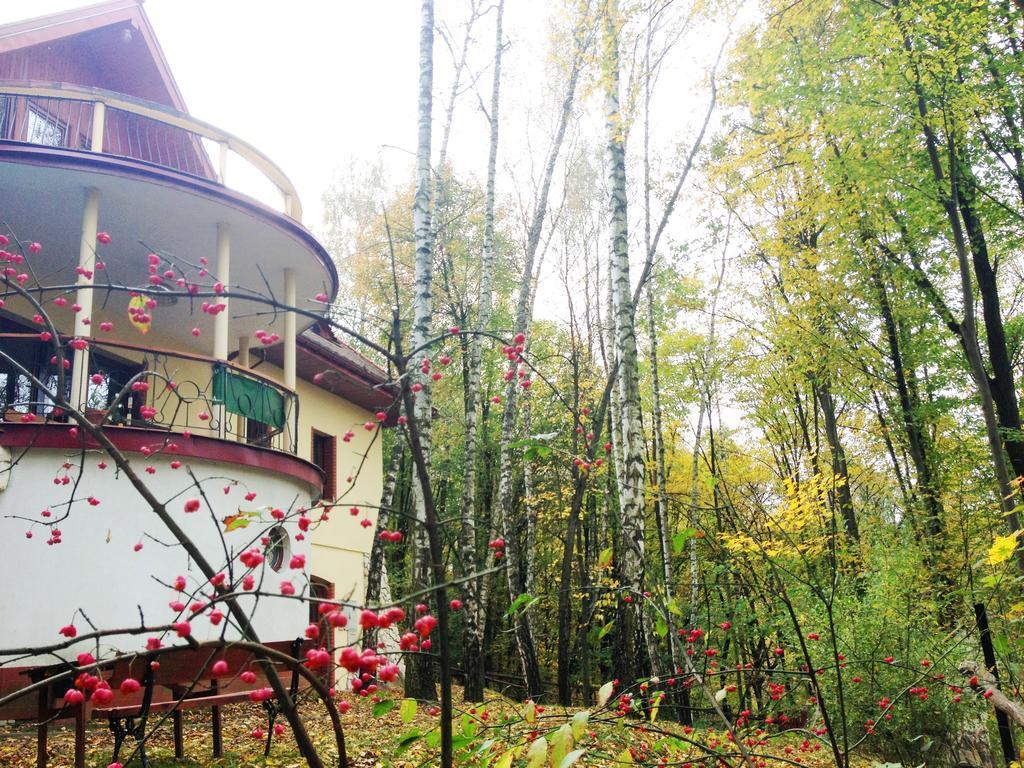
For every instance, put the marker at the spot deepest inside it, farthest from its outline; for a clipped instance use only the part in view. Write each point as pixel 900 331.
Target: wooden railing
pixel 95 120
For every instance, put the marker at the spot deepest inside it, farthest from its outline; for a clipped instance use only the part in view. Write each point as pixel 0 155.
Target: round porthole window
pixel 278 548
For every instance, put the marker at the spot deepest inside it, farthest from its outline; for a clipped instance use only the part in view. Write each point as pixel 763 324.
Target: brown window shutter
pixel 324 454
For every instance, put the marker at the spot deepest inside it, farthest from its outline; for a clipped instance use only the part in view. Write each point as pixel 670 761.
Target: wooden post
pixel 80 718
pixel 988 650
pixel 179 745
pixel 218 740
pixel 43 713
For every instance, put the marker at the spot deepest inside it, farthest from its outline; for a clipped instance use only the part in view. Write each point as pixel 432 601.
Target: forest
pixel 765 459
pixel 704 445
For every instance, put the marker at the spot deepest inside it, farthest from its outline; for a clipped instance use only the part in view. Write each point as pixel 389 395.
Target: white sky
pixel 311 83
pixel 317 83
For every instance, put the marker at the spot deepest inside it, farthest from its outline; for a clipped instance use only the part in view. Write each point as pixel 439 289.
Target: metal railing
pixel 128 385
pixel 92 119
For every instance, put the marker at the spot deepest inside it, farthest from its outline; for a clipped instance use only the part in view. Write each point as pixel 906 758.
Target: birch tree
pixel 420 679
pixel 473 651
pixel 630 564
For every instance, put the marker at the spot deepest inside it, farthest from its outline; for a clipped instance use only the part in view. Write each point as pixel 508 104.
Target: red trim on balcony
pixel 133 439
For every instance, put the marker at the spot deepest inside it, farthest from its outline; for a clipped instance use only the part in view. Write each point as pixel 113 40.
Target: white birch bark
pixel 472 589
pixel 631 492
pixel 661 503
pixel 694 500
pixel 422 678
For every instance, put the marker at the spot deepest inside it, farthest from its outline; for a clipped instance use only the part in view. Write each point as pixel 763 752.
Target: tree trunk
pixel 823 394
pixel 1004 391
pixel 376 572
pixel 524 633
pixel 473 617
pixel 420 680
pixel 917 441
pixel 661 503
pixel 632 645
pixel 949 196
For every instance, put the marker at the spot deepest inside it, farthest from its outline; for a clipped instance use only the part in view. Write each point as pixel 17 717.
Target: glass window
pixel 278 549
pixel 44 130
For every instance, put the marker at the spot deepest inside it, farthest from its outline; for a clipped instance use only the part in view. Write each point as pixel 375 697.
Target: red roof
pixel 109 45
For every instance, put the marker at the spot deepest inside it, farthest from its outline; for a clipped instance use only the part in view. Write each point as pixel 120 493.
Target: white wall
pixel 95 568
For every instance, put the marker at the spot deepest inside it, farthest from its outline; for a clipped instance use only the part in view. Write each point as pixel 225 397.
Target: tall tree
pixel 630 562
pixel 470 561
pixel 420 675
pixel 510 515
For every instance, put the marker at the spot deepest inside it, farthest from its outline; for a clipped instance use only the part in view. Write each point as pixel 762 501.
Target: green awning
pixel 247 397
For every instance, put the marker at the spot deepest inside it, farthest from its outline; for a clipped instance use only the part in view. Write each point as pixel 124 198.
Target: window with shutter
pixel 325 455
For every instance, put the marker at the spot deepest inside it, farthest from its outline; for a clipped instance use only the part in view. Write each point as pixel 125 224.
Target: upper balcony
pixel 74 117
pixel 75 158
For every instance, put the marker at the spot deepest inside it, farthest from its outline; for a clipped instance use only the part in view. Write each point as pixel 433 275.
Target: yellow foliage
pixel 798 527
pixel 1002 548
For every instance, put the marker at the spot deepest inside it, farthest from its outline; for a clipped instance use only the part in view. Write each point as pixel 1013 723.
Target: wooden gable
pixel 109 45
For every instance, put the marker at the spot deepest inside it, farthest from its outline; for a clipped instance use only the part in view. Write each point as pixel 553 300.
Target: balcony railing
pixel 96 120
pixel 135 386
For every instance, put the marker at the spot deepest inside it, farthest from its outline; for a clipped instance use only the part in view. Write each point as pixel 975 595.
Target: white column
pixel 83 295
pixel 242 361
pixel 99 112
pixel 289 329
pixel 222 320
pixel 243 352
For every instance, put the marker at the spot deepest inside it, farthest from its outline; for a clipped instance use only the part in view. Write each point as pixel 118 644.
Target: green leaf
pixel 381 708
pixel 571 758
pixel 433 738
pixel 537 452
pixel 468 725
pixel 524 601
pixel 679 540
pixel 605 629
pixel 530 715
pixel 605 558
pixel 579 724
pixel 1001 644
pixel 461 742
pixel 537 754
pixel 561 744
pixel 408 710
pixel 484 747
pixel 990 580
pixel 655 706
pixel 660 627
pixel 407 740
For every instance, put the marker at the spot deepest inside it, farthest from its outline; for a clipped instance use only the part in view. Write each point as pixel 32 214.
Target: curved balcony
pixel 76 160
pixel 80 118
pixel 172 392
